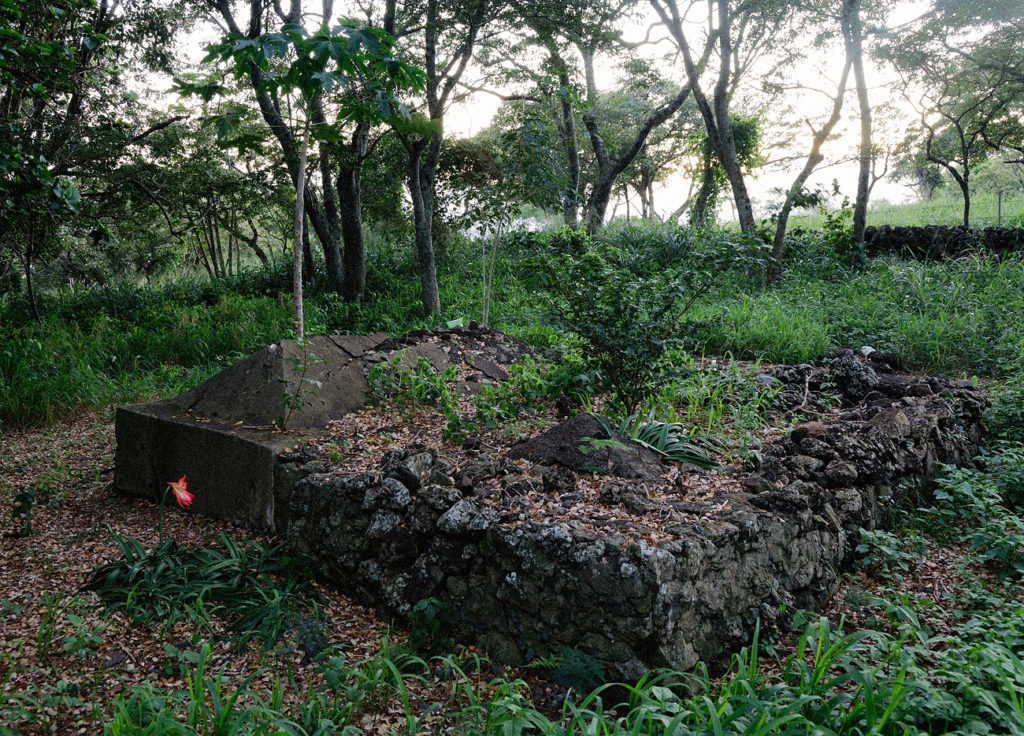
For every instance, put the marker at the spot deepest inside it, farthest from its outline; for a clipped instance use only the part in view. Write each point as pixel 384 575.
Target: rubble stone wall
pixel 521 586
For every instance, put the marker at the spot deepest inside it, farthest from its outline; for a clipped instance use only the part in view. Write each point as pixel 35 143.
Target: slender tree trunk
pixel 33 309
pixel 853 35
pixel 351 216
pixel 307 253
pixel 814 158
pixel 600 195
pixel 716 112
pixel 570 142
pixel 201 252
pixel 966 190
pixel 705 198
pixel 300 221
pixel 422 205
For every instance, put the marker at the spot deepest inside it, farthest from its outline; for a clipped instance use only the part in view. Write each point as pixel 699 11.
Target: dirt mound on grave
pixel 584 443
pixel 325 377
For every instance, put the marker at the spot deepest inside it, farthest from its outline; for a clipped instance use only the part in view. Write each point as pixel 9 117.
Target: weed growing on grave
pixel 300 391
pixel 419 385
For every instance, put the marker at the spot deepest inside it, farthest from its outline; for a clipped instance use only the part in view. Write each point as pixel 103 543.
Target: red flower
pixel 183 497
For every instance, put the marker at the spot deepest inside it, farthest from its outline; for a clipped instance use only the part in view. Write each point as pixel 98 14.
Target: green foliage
pixel 529 384
pixel 1005 419
pixel 718 396
pixel 957 316
pixel 627 321
pixel 577 670
pixel 262 592
pixel 746 131
pixel 982 497
pixel 671 440
pixel 23 505
pixel 889 555
pixel 107 346
pixel 420 384
pixel 346 58
pixel 300 391
pixel 427 633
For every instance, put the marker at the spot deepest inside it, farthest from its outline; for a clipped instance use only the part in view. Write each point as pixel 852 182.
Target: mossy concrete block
pixel 322 380
pixel 231 473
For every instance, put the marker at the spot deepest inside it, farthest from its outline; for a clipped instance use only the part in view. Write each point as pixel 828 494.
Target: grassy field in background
pixel 945 208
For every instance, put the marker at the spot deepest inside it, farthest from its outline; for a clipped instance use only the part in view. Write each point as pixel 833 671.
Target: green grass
pixel 101 347
pixel 959 317
pixel 945 208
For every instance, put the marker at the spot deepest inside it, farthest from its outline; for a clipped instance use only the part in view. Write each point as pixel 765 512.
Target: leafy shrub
pixel 628 322
pixel 888 555
pixel 419 385
pixel 426 627
pixel 996 532
pixel 528 385
pixel 1006 417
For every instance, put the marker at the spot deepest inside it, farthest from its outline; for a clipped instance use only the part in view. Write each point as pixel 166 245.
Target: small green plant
pixel 300 391
pixel 51 602
pixel 426 627
pixel 529 384
pixel 21 512
pixel 888 555
pixel 577 670
pixel 86 639
pixel 419 385
pixel 1006 417
pixel 671 440
pixel 996 532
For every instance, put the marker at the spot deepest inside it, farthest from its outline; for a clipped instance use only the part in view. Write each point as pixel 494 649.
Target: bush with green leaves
pixel 626 321
pixel 1005 419
pixel 981 498
pixel 529 384
pixel 420 384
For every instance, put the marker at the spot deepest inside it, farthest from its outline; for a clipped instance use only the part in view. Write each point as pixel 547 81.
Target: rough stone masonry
pixel 521 586
pixel 642 580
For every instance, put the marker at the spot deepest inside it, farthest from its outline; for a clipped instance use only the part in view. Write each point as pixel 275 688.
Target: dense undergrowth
pixel 103 346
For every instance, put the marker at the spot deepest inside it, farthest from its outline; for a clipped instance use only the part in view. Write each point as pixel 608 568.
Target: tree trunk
pixel 705 195
pixel 716 116
pixel 300 221
pixel 852 34
pixel 350 211
pixel 570 143
pixel 30 293
pixel 814 158
pixel 307 253
pixel 599 198
pixel 422 210
pixel 609 169
pixel 967 199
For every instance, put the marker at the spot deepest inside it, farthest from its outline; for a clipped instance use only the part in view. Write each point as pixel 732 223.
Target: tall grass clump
pixel 954 317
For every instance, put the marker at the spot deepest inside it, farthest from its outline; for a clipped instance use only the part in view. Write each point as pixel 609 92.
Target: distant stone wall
pixel 937 242
pixel 520 584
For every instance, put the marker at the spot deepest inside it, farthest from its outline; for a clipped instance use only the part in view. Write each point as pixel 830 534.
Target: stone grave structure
pixel 546 547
